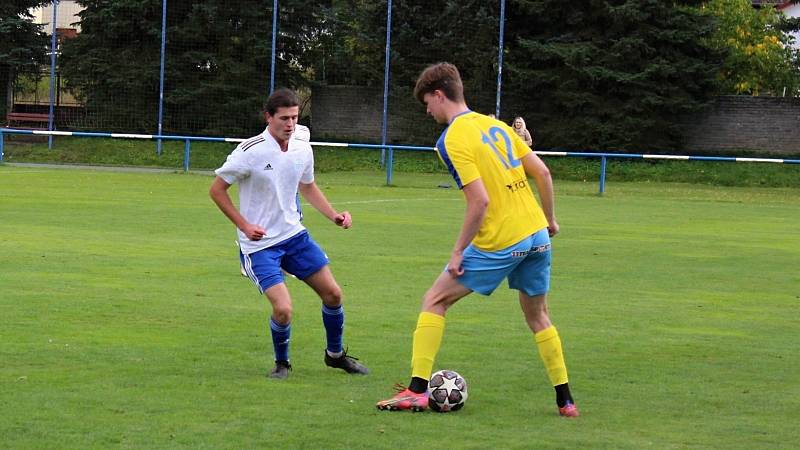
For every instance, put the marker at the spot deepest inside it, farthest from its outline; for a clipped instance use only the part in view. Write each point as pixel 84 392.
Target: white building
pixel 792 11
pixel 66 15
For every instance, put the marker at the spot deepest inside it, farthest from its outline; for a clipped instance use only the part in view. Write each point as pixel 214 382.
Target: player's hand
pixel 454 265
pixel 553 228
pixel 254 232
pixel 343 219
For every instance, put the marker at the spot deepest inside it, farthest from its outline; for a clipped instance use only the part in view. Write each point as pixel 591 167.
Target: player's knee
pixel 436 301
pixel 540 311
pixel 282 313
pixel 538 319
pixel 332 297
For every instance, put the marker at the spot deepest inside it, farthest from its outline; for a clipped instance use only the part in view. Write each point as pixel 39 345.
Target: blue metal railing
pixel 389 148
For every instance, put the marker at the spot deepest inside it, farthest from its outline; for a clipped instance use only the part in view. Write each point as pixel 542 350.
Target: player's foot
pixel 281 370
pixel 569 410
pixel 403 400
pixel 346 362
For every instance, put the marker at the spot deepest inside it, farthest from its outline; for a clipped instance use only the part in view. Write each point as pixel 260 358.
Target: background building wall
pixel 737 122
pixel 731 124
pixel 67 16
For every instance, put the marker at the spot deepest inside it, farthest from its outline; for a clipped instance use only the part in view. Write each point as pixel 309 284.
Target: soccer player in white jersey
pixel 301 132
pixel 271 168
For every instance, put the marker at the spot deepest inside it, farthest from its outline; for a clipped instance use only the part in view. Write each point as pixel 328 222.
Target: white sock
pixel 334 354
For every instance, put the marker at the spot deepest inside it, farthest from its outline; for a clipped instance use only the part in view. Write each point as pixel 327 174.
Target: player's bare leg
pixel 330 293
pixel 445 292
pixel 547 340
pixel 280 328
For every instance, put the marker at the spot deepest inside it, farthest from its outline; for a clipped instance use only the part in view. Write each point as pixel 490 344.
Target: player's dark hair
pixel 281 98
pixel 443 77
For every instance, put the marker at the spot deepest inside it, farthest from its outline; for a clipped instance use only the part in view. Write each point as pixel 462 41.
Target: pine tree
pixel 23 44
pixel 217 69
pixel 609 75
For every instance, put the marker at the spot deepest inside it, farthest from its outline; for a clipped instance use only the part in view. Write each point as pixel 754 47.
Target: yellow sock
pixel 427 340
pixel 550 350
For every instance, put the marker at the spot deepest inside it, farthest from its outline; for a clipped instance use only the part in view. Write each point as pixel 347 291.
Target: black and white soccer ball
pixel 447 391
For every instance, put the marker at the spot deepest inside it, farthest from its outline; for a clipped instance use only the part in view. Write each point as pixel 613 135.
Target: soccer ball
pixel 447 391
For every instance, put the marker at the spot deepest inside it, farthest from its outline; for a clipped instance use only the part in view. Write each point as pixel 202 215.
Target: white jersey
pixel 268 181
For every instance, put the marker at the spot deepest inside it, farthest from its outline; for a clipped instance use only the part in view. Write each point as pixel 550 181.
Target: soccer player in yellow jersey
pixel 505 233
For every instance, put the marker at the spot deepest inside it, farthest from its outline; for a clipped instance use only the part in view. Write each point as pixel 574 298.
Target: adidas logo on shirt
pixel 268 166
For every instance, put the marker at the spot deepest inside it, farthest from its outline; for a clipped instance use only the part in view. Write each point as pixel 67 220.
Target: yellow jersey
pixel 476 146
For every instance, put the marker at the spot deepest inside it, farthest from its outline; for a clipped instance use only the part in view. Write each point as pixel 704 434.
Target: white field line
pixel 388 200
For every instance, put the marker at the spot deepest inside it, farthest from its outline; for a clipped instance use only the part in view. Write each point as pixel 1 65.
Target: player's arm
pixel 219 194
pixel 477 204
pixel 536 169
pixel 314 196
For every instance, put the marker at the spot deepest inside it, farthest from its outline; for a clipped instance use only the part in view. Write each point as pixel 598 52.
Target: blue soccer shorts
pixel 299 256
pixel 526 264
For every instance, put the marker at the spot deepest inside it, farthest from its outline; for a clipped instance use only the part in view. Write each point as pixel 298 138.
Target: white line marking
pixel 132 136
pixel 665 157
pixel 53 133
pixel 328 144
pixel 759 160
pixel 354 202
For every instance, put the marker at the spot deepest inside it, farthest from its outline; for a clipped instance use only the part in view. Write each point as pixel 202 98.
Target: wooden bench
pixel 27 119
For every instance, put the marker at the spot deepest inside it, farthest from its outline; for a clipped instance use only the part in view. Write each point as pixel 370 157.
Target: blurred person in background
pixel 522 131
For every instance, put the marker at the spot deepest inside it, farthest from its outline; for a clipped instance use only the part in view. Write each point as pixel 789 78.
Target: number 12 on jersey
pixel 494 136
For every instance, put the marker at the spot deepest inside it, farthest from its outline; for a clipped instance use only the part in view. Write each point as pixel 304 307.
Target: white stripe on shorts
pixel 248 268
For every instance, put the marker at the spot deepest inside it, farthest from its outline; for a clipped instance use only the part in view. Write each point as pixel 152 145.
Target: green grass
pixel 126 324
pixel 210 155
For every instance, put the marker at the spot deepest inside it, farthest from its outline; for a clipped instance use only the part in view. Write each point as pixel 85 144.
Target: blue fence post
pixel 186 149
pixel 51 114
pixel 161 74
pixel 386 74
pixel 274 37
pixel 389 166
pixel 602 175
pixel 2 145
pixel 500 57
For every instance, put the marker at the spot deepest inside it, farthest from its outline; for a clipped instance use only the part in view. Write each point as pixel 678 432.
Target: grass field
pixel 125 322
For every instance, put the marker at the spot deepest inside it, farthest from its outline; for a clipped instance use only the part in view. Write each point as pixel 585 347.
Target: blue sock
pixel 333 319
pixel 280 339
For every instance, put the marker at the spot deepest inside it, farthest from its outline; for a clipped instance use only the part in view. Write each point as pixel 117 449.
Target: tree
pixel 113 64
pixel 23 44
pixel 759 57
pixel 217 62
pixel 423 32
pixel 608 75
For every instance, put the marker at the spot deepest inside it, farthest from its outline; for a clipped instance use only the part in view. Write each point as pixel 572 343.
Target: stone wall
pixel 732 124
pixel 354 114
pixel 736 123
pixel 346 111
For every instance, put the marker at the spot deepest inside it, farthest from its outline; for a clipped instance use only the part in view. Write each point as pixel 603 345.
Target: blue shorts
pixel 526 264
pixel 299 255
